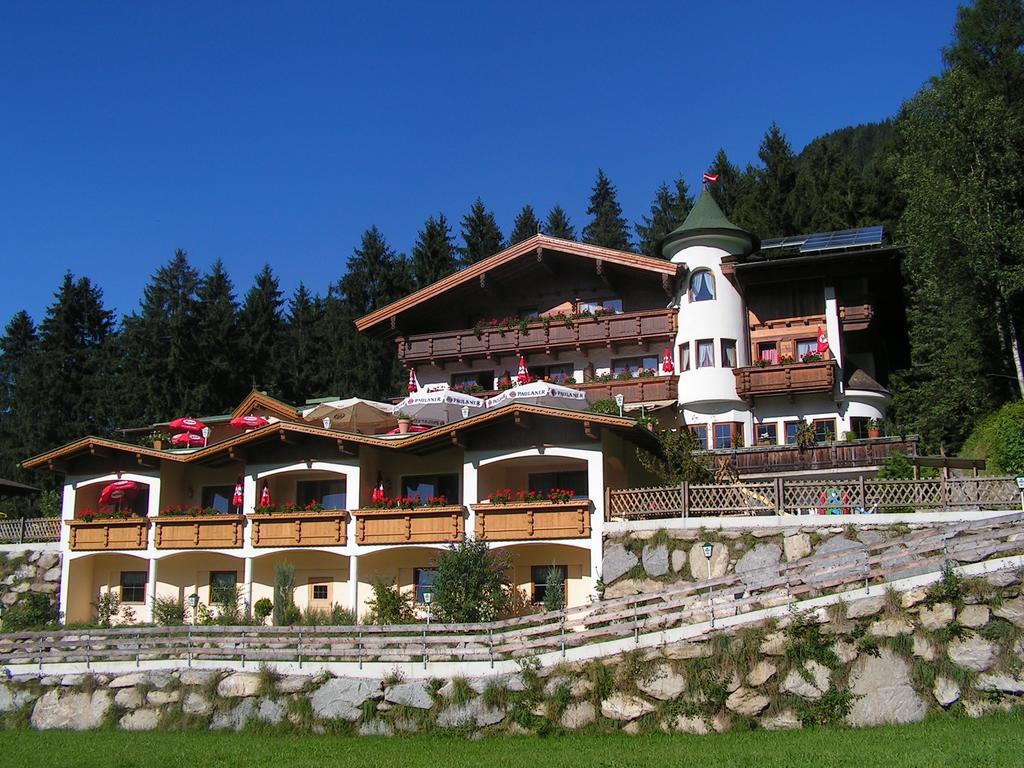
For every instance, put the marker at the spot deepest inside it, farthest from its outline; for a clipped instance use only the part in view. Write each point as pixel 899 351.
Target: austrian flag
pixel 710 178
pixel 822 341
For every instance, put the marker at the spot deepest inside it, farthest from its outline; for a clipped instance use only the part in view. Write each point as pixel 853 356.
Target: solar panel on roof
pixel 783 242
pixel 844 238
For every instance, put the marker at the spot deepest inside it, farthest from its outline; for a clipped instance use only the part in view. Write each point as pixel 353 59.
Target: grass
pixel 946 741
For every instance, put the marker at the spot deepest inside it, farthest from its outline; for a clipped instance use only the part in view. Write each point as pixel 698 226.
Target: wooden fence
pixel 839 496
pixel 923 551
pixel 29 529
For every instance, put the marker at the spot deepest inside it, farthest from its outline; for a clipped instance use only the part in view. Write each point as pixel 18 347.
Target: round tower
pixel 712 335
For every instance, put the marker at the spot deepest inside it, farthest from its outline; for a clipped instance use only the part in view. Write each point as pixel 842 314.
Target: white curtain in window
pixel 705 354
pixel 702 286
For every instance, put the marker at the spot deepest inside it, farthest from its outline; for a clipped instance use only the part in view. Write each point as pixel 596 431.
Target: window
pixel 700 434
pixel 539 579
pixel 859 426
pixel 605 305
pixel 424 580
pixel 684 357
pixel 724 435
pixel 222 586
pixel 320 589
pixel 824 430
pixel 575 481
pixel 767 433
pixel 768 352
pixel 218 497
pixel 635 364
pixel 330 493
pixel 133 586
pixel 426 486
pixel 728 353
pixel 702 286
pixel 791 430
pixel 706 353
pixel 557 373
pixel 806 347
pixel 470 379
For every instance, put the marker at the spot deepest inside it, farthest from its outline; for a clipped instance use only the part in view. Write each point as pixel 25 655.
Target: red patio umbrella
pixel 265 495
pixel 248 422
pixel 187 424
pixel 236 498
pixel 523 374
pixel 414 384
pixel 118 491
pixel 666 361
pixel 188 440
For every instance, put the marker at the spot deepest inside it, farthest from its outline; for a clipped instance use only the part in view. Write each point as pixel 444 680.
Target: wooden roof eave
pixel 669 270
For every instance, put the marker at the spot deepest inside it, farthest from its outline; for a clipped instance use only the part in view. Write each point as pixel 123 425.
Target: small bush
pixel 34 610
pixel 262 608
pixel 283 608
pixel 804 642
pixel 107 606
pixel 389 606
pixel 169 611
pixel 554 592
pixel 470 583
pixel 336 616
pixel 948 589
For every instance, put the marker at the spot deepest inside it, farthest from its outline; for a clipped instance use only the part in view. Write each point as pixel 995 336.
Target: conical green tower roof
pixel 707 225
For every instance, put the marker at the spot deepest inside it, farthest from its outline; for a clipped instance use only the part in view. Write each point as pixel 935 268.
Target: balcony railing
pixel 108 534
pixel 608 330
pixel 846 454
pixel 635 390
pixel 203 532
pixel 520 521
pixel 856 317
pixel 25 529
pixel 298 529
pixel 791 379
pixel 419 525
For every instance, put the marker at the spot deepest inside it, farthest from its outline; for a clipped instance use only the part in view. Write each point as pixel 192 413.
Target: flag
pixel 265 495
pixel 822 341
pixel 414 385
pixel 522 375
pixel 236 498
pixel 710 178
pixel 666 361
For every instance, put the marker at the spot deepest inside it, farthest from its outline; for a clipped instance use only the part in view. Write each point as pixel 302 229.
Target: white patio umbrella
pixel 437 407
pixel 541 393
pixel 353 415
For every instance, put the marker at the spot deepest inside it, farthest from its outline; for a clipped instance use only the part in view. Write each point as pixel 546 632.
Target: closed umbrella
pixel 414 384
pixel 523 374
pixel 187 424
pixel 541 393
pixel 440 406
pixel 248 422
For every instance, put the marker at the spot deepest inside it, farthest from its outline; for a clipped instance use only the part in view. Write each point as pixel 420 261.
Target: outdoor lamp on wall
pixel 619 400
pixel 193 601
pixel 327 422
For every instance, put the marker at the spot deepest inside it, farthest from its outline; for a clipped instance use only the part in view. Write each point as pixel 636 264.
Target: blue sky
pixel 277 132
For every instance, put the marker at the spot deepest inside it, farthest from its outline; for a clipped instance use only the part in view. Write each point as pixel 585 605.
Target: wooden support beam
pixel 546 263
pixel 520 420
pixel 286 438
pixel 606 277
pixel 146 461
pixel 55 465
pixel 99 451
pixel 345 450
pixel 490 287
pixel 458 440
pixel 236 453
pixel 667 286
pixel 589 431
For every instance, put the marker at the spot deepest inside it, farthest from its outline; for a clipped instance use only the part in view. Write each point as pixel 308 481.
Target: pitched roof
pixel 706 221
pixel 257 399
pixel 621 258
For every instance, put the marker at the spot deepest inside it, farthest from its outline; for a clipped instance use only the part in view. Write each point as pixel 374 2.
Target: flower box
pixel 296 529
pixel 108 533
pixel 199 532
pixel 526 520
pixel 410 526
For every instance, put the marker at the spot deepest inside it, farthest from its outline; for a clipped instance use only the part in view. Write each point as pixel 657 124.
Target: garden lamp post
pixel 708 549
pixel 619 400
pixel 428 597
pixel 193 601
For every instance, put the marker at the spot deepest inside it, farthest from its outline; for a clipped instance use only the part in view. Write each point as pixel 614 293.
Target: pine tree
pixel 305 339
pixel 730 187
pixel 775 182
pixel 987 46
pixel 481 235
pixel 17 346
pixel 525 226
pixel 433 255
pixel 558 224
pixel 263 331
pixel 668 211
pixel 225 379
pixel 608 227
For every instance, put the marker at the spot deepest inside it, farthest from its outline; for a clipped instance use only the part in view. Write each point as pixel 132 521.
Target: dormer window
pixel 702 286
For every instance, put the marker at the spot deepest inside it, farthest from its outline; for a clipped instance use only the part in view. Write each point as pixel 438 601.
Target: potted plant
pixel 805 437
pixel 404 420
pixel 158 440
pixel 874 428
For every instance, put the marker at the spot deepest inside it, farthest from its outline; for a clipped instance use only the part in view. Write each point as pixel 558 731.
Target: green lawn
pixel 993 741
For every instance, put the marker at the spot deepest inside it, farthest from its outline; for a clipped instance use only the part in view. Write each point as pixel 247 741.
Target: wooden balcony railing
pixel 637 390
pixel 212 532
pixel 846 454
pixel 24 529
pixel 418 525
pixel 792 379
pixel 532 520
pixel 652 326
pixel 857 317
pixel 108 534
pixel 298 529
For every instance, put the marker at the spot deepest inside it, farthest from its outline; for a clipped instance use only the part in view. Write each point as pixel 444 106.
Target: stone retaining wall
pixel 28 570
pixel 957 647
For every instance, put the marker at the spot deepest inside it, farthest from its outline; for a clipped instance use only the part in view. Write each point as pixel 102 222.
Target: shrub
pixel 262 608
pixel 554 592
pixel 34 610
pixel 107 607
pixel 336 616
pixel 389 606
pixel 896 466
pixel 676 462
pixel 999 437
pixel 606 407
pixel 470 583
pixel 284 610
pixel 169 612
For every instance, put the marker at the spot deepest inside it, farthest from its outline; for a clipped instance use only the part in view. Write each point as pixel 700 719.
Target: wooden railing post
pixel 780 504
pixel 862 492
pixel 685 498
pixel 21 535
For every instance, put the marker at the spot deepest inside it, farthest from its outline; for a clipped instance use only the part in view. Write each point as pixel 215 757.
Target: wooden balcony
pixel 792 379
pixel 636 390
pixel 205 532
pixel 522 521
pixel 851 454
pixel 649 327
pixel 856 318
pixel 419 525
pixel 300 529
pixel 109 534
